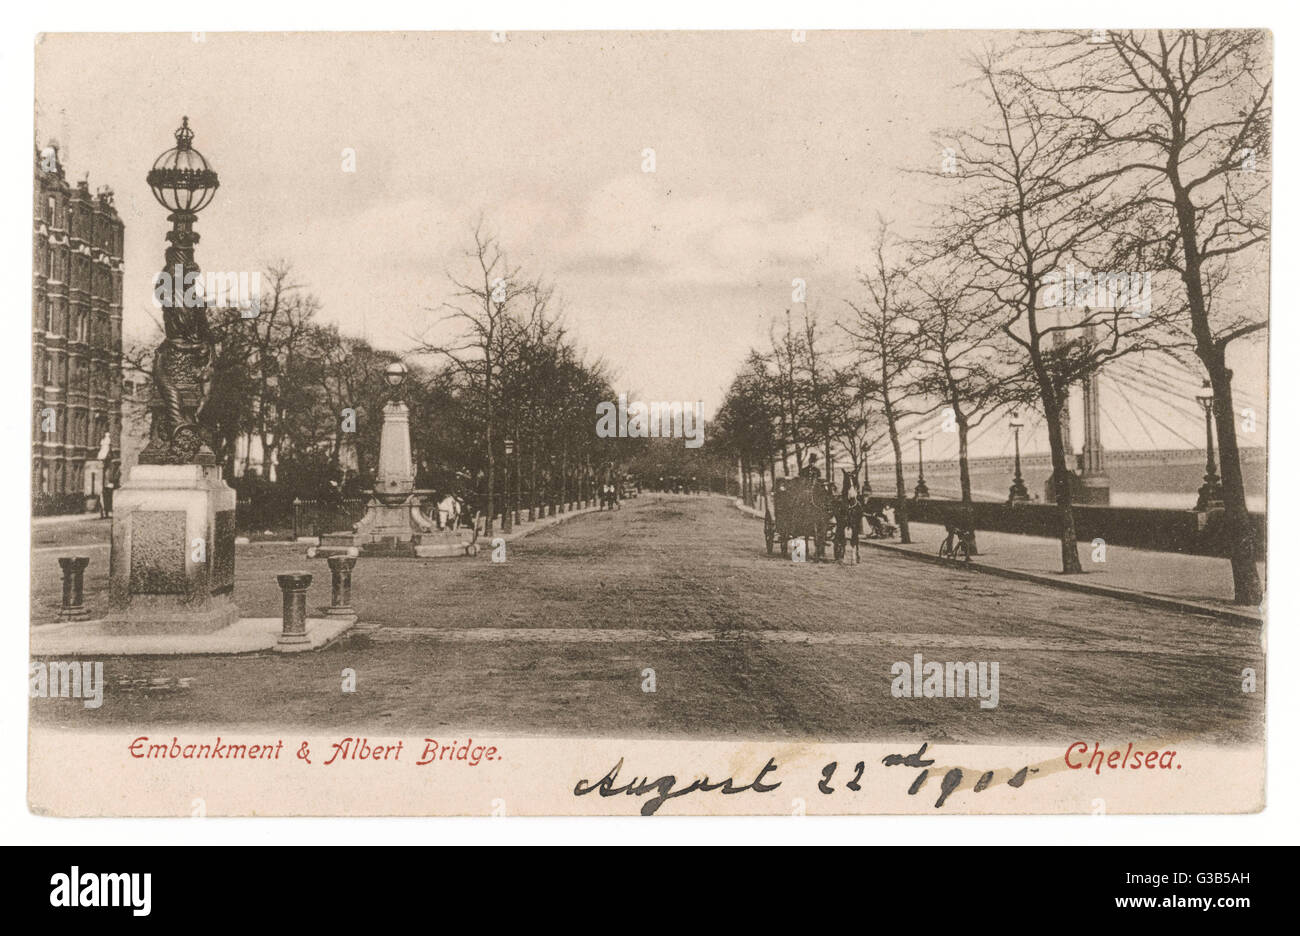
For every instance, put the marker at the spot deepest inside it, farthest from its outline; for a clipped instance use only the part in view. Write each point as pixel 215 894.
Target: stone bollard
pixel 74 571
pixel 294 586
pixel 341 586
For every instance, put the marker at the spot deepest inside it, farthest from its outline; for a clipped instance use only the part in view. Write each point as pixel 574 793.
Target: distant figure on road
pixel 811 470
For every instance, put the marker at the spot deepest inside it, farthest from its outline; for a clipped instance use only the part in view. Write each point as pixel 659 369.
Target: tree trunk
pixel 1247 589
pixel 963 460
pixel 963 463
pixel 491 456
pixel 1061 481
pixel 532 482
pixel 900 486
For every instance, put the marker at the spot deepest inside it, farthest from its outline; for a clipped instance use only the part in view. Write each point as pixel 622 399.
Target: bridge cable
pixel 1175 403
pixel 1137 416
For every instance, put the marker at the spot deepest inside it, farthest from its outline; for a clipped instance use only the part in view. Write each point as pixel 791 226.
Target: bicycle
pixel 959 544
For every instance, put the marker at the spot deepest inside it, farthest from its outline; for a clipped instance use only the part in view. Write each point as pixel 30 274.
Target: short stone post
pixel 294 586
pixel 341 586
pixel 74 571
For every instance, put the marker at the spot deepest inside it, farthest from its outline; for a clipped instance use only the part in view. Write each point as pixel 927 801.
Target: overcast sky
pixel 772 160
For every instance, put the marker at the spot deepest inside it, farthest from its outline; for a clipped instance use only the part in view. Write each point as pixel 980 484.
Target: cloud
pixel 635 224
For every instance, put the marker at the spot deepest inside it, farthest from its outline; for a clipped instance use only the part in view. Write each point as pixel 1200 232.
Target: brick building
pixel 77 241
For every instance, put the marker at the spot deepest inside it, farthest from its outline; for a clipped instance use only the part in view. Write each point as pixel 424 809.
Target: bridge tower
pixel 1089 483
pixel 1095 486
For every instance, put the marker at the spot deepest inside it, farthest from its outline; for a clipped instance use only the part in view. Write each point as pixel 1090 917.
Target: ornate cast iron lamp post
pixel 1210 496
pixel 1019 493
pixel 508 517
pixel 184 183
pixel 922 491
pixel 175 497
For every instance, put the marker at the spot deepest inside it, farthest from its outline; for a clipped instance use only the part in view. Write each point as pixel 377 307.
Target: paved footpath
pixel 1198 579
pixel 560 636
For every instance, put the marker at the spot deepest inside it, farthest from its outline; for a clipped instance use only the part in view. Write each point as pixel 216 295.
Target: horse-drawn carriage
pixel 800 507
pixel 808 507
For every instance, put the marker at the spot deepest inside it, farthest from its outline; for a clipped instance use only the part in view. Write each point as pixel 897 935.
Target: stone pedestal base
pixel 172 567
pixel 1094 490
pixel 396 527
pixel 413 545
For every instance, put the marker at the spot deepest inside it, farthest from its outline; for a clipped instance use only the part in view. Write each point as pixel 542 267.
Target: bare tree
pixel 885 338
pixel 278 337
pixel 484 307
pixel 962 356
pixel 1184 118
pixel 1025 209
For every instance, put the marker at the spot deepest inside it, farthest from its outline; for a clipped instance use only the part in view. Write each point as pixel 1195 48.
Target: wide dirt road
pixel 559 639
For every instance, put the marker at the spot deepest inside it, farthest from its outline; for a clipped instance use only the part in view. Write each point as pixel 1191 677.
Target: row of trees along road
pixel 495 364
pixel 1141 152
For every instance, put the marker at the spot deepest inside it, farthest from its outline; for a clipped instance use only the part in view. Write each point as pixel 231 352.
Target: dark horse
pixel 849 510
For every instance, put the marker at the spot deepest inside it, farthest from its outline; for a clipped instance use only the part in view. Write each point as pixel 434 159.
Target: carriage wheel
pixel 961 551
pixel 769 532
pixel 945 548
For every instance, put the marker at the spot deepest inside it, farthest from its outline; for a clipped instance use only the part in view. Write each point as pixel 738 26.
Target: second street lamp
pixel 922 492
pixel 507 515
pixel 1210 495
pixel 1019 494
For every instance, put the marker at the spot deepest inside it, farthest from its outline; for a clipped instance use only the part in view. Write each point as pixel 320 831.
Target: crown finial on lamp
pixel 184 135
pixel 181 178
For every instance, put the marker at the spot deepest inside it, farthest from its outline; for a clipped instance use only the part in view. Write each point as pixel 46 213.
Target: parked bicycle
pixel 959 543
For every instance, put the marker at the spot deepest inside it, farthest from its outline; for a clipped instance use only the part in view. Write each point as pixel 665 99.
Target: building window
pixel 49 210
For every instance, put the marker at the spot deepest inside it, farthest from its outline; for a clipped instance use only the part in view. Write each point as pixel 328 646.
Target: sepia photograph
pixel 636 423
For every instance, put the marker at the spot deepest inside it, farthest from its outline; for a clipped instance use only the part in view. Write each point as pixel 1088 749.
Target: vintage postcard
pixel 649 423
